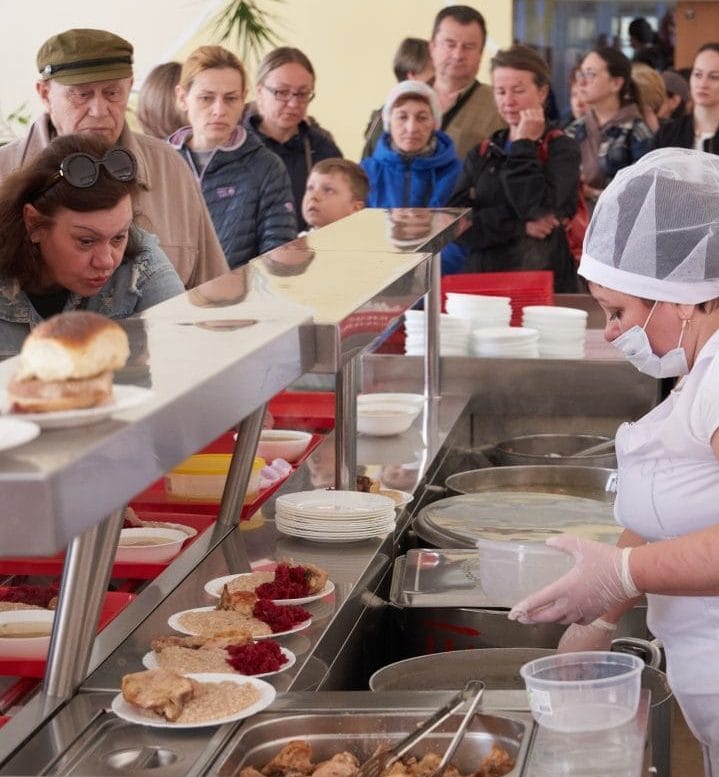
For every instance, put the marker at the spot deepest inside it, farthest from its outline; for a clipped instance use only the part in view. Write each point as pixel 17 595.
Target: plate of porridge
pixel 165 699
pixel 209 620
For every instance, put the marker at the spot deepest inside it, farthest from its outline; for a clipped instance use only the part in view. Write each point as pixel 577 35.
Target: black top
pixel 679 133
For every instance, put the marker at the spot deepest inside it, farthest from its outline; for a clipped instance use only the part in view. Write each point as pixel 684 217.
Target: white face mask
pixel 635 345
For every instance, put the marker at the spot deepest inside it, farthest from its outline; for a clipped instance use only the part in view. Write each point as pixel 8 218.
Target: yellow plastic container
pixel 202 477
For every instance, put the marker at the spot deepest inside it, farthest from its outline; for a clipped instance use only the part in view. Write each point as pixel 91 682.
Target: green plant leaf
pixel 250 25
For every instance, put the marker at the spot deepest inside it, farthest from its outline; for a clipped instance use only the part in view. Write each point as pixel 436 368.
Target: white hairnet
pixel 655 230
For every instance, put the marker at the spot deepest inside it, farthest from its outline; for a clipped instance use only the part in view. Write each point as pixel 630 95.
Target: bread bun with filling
pixel 67 362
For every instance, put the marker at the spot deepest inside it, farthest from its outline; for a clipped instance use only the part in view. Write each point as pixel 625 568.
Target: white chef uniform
pixel 668 485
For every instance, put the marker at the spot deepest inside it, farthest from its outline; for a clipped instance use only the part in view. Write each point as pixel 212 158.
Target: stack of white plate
pixel 334 516
pixel 508 342
pixel 562 331
pixel 453 334
pixel 481 310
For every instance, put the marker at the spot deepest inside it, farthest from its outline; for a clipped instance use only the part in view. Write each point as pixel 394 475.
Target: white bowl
pixel 585 691
pixel 25 647
pixel 286 444
pixel 168 545
pixel 510 570
pixel 415 401
pixel 383 420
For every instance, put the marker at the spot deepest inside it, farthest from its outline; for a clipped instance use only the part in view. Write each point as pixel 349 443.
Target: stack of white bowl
pixel 480 310
pixel 508 342
pixel 453 334
pixel 562 331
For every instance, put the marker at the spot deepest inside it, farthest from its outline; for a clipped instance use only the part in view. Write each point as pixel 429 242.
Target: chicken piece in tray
pixel 498 763
pixel 340 765
pixel 242 602
pixel 221 639
pixel 293 760
pixel 159 690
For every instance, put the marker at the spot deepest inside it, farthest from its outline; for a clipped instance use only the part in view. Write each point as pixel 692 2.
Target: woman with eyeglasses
pixel 246 188
pixel 69 240
pixel 700 128
pixel 612 133
pixel 284 88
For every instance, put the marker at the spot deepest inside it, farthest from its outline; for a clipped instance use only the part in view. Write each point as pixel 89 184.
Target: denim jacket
pixel 138 283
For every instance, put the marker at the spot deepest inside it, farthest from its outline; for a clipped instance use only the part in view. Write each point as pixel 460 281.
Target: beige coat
pixel 476 120
pixel 170 203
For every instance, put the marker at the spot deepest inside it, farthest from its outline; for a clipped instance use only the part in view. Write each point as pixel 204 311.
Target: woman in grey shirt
pixel 68 242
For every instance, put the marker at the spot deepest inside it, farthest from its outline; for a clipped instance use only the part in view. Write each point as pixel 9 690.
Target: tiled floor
pixel 686 755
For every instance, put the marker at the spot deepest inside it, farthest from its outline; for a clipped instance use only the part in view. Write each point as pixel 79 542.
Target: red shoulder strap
pixel 546 140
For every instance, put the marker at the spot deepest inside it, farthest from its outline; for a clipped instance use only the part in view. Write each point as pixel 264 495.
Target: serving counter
pixel 349 637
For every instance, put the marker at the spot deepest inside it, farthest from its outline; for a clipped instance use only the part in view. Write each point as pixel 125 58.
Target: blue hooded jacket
pixel 400 181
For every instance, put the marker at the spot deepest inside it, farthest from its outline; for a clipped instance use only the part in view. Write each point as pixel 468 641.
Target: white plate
pixel 400 498
pixel 174 623
pixel 14 432
pixel 342 503
pixel 323 537
pixel 149 661
pixel 133 714
pixel 125 398
pixel 214 588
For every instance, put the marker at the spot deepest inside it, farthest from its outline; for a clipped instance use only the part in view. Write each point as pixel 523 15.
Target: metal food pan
pixel 361 732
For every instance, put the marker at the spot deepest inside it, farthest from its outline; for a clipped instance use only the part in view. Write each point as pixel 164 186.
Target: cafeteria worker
pixel 651 260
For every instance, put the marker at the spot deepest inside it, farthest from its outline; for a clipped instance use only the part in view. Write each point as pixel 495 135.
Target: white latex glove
pixel 599 580
pixel 595 636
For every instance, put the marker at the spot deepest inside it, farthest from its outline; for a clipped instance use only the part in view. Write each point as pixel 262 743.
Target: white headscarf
pixel 655 230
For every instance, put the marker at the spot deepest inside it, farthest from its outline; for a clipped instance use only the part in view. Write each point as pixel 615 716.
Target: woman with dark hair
pixel 700 128
pixel 69 242
pixel 523 185
pixel 612 133
pixel 284 88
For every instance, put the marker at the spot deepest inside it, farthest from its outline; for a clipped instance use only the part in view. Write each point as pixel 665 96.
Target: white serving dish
pixel 415 401
pixel 149 554
pixel 26 647
pixel 585 691
pixel 384 420
pixel 287 444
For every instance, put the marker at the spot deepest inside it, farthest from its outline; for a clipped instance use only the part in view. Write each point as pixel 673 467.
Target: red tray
pixel 310 410
pixel 157 499
pixel 115 602
pixel 52 565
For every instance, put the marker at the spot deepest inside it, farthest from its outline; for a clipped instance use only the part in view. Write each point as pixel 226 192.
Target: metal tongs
pixel 384 758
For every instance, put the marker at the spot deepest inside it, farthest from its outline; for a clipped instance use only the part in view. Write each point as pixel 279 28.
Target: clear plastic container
pixel 510 570
pixel 587 691
pixel 202 477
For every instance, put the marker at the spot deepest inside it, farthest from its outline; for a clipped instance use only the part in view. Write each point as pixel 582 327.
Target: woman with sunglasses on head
pixel 69 242
pixel 612 133
pixel 246 188
pixel 285 86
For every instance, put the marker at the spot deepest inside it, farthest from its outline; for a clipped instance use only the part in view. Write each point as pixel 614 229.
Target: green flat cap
pixel 83 56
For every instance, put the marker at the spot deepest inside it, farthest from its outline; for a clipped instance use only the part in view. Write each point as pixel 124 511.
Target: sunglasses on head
pixel 82 170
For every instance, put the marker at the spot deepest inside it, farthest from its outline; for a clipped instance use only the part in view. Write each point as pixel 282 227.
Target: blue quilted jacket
pixel 248 194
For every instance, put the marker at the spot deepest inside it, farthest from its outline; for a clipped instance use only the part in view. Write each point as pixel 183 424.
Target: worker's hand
pixel 531 124
pixel 541 228
pixel 597 635
pixel 598 581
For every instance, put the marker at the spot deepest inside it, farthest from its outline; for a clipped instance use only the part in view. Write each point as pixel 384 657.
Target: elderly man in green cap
pixel 85 82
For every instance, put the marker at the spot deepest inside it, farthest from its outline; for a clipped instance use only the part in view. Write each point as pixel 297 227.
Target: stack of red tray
pixel 522 287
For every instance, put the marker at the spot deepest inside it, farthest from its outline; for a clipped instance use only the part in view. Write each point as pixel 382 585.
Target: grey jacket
pixel 248 193
pixel 137 284
pixel 169 202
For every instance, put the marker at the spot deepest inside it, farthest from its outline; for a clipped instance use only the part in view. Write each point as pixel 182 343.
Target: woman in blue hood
pixel 414 164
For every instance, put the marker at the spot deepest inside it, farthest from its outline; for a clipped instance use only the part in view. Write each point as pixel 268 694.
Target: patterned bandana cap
pixel 655 230
pixel 418 88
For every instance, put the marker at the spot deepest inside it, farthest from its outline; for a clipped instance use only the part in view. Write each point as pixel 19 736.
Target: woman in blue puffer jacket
pixel 414 164
pixel 246 187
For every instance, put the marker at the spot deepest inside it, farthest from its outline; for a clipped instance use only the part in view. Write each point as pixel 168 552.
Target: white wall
pixel 350 42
